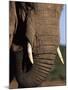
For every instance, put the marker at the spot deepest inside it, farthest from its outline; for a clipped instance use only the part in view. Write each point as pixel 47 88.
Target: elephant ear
pixel 12 21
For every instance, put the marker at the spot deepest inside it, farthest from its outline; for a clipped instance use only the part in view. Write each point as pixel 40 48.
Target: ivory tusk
pixel 30 53
pixel 60 55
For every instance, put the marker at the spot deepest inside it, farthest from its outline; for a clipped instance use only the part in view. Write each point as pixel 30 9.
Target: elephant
pixel 37 25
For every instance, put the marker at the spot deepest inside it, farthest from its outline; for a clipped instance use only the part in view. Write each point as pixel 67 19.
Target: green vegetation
pixel 59 72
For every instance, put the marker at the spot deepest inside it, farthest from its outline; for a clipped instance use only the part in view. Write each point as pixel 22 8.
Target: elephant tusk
pixel 60 55
pixel 30 53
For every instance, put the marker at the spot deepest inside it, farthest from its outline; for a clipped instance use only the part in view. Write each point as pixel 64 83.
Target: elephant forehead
pixel 45 15
pixel 42 6
pixel 44 25
pixel 48 8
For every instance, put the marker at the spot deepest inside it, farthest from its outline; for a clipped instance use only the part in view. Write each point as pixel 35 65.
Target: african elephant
pixel 40 27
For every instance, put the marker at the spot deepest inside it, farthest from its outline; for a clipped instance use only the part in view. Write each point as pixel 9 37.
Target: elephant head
pixel 42 35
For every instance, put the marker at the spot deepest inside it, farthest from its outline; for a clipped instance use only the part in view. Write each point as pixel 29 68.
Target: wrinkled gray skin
pixel 42 31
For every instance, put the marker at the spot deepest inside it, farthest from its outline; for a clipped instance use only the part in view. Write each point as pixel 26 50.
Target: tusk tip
pixel 60 55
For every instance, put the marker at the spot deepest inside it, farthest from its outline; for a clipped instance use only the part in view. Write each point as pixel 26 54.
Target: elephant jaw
pixel 30 53
pixel 60 55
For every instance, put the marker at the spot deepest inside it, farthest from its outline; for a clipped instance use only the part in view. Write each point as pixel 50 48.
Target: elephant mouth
pixel 27 56
pixel 26 65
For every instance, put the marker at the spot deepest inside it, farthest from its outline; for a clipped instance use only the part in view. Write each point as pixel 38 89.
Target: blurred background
pixel 63 27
